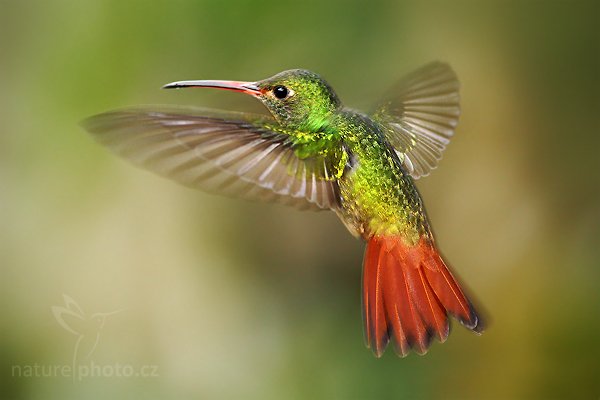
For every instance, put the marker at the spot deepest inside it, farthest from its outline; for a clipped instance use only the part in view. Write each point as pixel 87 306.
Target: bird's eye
pixel 280 92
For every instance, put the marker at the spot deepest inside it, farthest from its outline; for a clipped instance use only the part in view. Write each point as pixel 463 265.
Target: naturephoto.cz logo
pixel 86 329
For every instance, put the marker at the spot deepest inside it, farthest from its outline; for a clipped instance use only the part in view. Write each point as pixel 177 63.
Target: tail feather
pixel 377 330
pixel 408 293
pixel 430 309
pixel 451 296
pixel 410 327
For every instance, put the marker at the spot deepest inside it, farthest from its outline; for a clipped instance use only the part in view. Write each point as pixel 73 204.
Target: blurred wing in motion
pixel 420 116
pixel 234 154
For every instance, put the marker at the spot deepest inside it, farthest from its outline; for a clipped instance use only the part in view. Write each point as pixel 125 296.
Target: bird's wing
pixel 420 116
pixel 236 154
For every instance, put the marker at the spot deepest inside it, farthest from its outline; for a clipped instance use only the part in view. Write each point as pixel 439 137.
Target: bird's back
pixel 377 195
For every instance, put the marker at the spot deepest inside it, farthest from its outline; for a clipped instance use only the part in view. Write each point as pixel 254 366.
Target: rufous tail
pixel 408 295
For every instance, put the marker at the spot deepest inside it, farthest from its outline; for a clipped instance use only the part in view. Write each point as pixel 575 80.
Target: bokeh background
pixel 230 299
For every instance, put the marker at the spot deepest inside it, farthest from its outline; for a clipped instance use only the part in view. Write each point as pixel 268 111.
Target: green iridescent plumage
pixel 378 197
pixel 312 153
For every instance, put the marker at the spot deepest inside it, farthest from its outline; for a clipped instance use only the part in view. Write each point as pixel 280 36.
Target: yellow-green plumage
pixel 312 153
pixel 326 156
pixel 377 196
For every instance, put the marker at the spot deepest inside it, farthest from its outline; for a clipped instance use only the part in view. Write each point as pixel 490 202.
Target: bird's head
pixel 297 99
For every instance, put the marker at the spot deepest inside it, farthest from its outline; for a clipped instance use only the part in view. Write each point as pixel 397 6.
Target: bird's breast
pixel 377 197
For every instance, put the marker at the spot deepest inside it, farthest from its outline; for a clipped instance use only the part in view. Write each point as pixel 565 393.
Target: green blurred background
pixel 231 299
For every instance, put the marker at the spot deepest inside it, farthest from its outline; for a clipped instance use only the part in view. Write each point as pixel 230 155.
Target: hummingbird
pixel 312 153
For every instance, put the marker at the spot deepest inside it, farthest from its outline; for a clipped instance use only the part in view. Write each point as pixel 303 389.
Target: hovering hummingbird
pixel 313 153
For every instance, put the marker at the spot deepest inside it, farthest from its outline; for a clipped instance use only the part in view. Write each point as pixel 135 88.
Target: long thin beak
pixel 244 87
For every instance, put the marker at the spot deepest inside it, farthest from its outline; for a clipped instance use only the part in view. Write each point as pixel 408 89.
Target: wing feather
pixel 421 115
pixel 220 152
